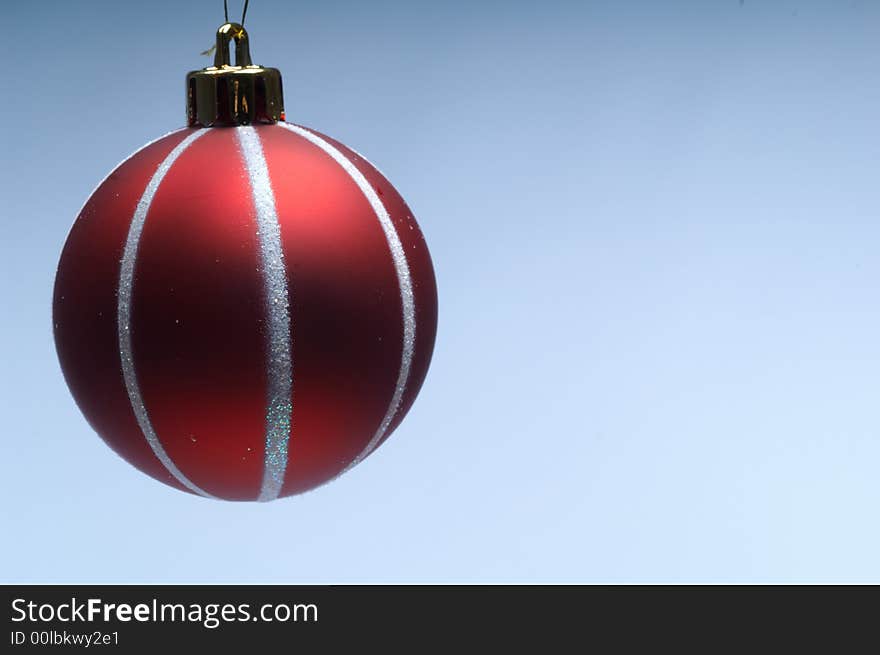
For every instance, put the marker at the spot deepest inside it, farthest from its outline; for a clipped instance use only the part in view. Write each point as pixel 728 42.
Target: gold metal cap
pixel 242 94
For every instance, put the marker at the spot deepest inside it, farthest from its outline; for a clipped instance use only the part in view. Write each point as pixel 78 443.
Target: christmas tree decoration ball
pixel 244 308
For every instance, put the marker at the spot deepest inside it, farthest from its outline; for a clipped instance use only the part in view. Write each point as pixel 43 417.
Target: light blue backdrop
pixel 655 230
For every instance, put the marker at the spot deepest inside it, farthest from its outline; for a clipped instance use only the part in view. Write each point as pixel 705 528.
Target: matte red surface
pixel 197 320
pixel 85 307
pixel 198 311
pixel 422 271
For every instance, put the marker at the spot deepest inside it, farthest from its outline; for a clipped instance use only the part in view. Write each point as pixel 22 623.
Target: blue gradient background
pixel 655 231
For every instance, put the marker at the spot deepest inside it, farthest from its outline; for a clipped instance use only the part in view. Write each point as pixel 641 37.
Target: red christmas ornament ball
pixel 245 312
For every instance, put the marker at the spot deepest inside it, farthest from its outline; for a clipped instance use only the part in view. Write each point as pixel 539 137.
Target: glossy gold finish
pixel 240 94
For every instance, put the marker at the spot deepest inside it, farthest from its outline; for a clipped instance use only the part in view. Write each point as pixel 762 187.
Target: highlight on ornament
pixel 245 308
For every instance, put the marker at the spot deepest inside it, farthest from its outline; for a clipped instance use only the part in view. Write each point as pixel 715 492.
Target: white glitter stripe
pixel 404 280
pixel 279 406
pixel 126 286
pixel 112 171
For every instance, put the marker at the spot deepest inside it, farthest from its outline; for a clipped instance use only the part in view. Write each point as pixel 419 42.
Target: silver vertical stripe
pixel 126 286
pixel 280 362
pixel 404 280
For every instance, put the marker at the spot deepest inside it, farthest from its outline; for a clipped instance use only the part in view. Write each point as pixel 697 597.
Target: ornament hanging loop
pixel 232 32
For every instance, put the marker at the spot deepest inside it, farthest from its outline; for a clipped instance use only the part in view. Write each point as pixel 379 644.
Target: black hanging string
pixel 226 11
